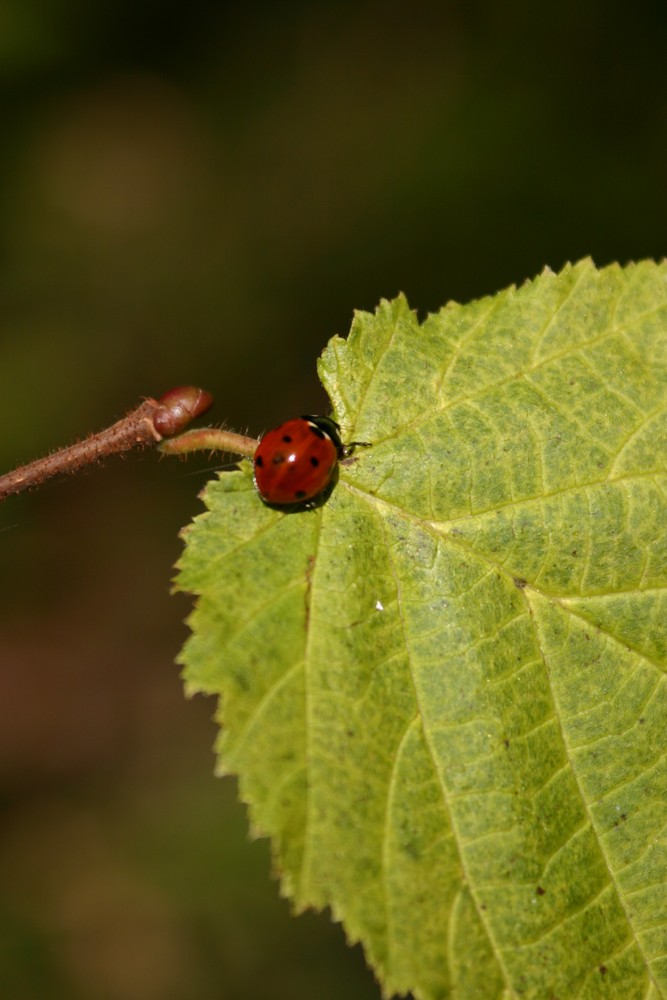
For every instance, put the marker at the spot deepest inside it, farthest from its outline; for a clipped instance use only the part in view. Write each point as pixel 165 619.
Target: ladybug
pixel 295 462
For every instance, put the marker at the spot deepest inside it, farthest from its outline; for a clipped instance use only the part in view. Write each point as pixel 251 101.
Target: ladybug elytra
pixel 295 462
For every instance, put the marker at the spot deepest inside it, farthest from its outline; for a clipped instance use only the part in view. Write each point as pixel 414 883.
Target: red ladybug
pixel 296 461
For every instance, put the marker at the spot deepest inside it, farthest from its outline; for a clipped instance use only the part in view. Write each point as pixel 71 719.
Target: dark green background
pixel 203 193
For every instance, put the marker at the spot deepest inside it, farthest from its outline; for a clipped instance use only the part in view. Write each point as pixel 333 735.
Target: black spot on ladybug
pixel 287 439
pixel 278 458
pixel 314 461
pixel 259 462
pixel 300 494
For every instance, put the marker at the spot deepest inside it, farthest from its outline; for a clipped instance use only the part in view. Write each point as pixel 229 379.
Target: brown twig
pixel 146 425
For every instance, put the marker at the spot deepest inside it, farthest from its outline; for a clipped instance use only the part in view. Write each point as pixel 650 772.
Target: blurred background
pixel 203 193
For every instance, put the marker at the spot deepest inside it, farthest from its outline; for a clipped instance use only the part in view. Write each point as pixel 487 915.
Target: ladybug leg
pixel 348 448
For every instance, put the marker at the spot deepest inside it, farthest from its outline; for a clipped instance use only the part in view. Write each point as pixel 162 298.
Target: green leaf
pixel 444 690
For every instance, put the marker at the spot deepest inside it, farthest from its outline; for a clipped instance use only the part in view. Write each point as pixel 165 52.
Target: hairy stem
pixel 209 439
pixel 144 426
pixel 136 430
